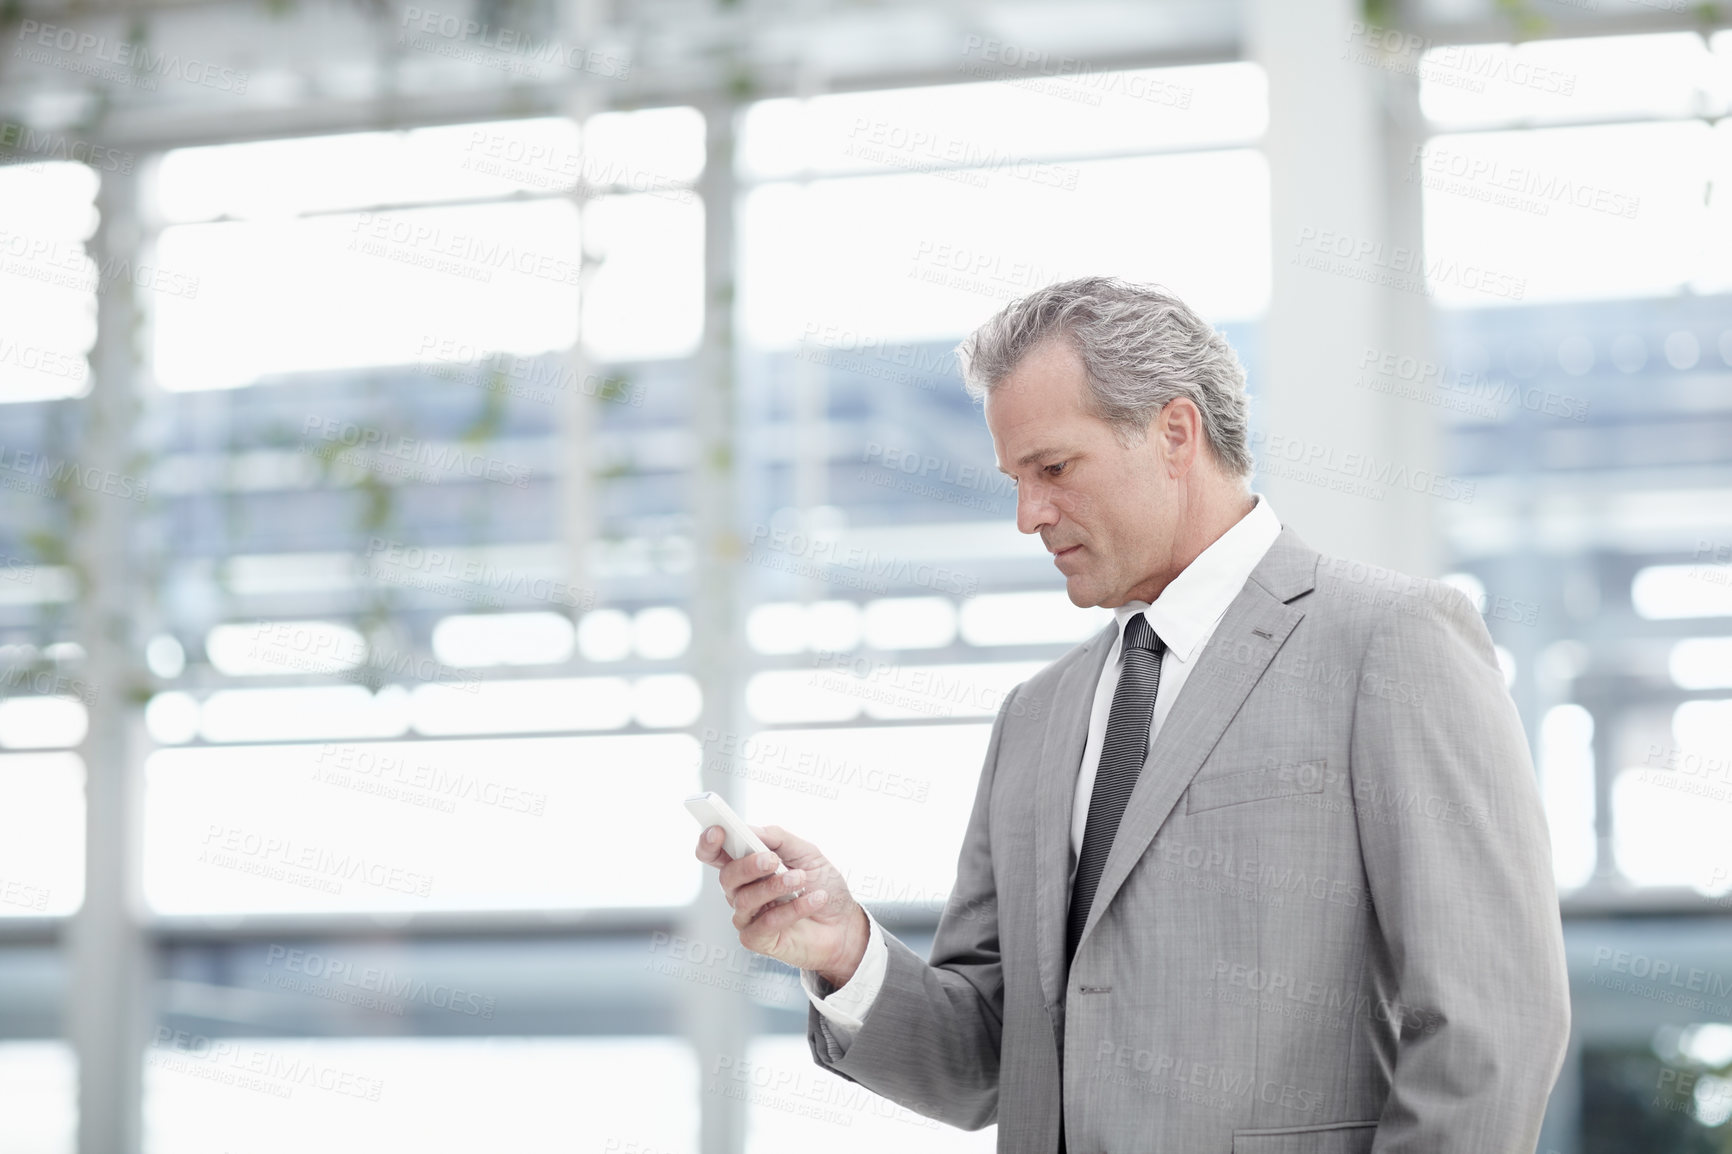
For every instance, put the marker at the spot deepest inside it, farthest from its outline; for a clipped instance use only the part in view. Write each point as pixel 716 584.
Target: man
pixel 1267 872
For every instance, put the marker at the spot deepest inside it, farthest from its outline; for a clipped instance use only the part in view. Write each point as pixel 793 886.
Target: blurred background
pixel 436 440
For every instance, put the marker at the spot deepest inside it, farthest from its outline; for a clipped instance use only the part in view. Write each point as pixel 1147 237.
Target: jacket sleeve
pixel 843 1007
pixel 930 1040
pixel 1458 862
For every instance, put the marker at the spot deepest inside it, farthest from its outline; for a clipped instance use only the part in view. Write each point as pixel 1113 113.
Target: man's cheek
pixel 1078 506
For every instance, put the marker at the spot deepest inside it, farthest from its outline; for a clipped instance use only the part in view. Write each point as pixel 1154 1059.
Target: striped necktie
pixel 1122 754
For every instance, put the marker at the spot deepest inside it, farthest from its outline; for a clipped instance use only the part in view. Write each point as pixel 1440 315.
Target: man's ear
pixel 1178 428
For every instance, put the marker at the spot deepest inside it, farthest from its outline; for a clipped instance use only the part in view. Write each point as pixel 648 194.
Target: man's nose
pixel 1032 509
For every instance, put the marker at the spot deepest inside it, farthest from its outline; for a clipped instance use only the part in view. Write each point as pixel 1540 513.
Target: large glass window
pixel 1576 238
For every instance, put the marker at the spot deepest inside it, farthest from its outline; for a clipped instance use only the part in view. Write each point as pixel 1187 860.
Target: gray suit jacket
pixel 1327 924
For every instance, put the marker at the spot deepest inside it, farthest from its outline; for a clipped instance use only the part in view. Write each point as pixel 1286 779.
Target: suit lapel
pixel 1251 632
pixel 1060 762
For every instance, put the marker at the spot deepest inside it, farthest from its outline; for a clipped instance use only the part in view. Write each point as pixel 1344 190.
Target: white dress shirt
pixel 1184 615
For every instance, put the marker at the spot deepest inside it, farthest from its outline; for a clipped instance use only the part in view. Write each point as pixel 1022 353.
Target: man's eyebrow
pixel 1030 458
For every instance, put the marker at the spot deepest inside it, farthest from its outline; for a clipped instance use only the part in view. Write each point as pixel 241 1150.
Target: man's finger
pixel 748 900
pixel 745 870
pixel 748 869
pixel 710 850
pixel 777 919
pixel 785 844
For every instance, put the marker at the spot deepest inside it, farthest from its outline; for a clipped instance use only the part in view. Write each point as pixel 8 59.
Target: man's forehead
pixel 1049 368
pixel 1026 396
pixel 1022 436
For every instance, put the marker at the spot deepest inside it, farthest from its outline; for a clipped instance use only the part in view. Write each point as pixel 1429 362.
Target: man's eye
pixel 1055 469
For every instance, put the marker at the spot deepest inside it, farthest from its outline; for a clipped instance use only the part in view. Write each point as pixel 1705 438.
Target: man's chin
pixel 1080 594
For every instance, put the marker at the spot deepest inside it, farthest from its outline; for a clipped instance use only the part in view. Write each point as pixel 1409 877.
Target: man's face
pixel 1107 513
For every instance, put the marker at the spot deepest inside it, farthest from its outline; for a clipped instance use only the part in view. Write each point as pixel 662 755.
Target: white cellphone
pixel 710 808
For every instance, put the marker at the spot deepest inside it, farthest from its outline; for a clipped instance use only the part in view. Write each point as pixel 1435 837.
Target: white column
pixel 1341 129
pixel 109 960
pixel 577 407
pixel 717 1018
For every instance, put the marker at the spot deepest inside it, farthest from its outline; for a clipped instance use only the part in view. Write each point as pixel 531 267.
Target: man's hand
pixel 824 929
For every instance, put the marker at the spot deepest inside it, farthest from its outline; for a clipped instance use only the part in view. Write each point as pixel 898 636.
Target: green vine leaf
pixel 1527 21
pixel 490 418
pixel 1379 12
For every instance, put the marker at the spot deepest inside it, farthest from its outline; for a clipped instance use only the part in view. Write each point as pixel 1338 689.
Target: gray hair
pixel 1140 346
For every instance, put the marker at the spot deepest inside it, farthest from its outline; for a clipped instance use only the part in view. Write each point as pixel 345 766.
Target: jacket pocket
pixel 1334 1138
pixel 1286 779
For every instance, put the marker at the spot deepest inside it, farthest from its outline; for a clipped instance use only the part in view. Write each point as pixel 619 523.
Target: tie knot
pixel 1139 634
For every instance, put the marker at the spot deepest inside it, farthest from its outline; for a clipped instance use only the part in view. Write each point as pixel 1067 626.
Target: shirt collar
pixel 1185 612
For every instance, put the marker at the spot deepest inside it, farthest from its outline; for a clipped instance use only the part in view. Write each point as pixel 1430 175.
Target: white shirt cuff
pixel 846 1007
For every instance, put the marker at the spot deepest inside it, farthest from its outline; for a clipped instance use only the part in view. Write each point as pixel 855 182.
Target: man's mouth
pixel 1067 549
